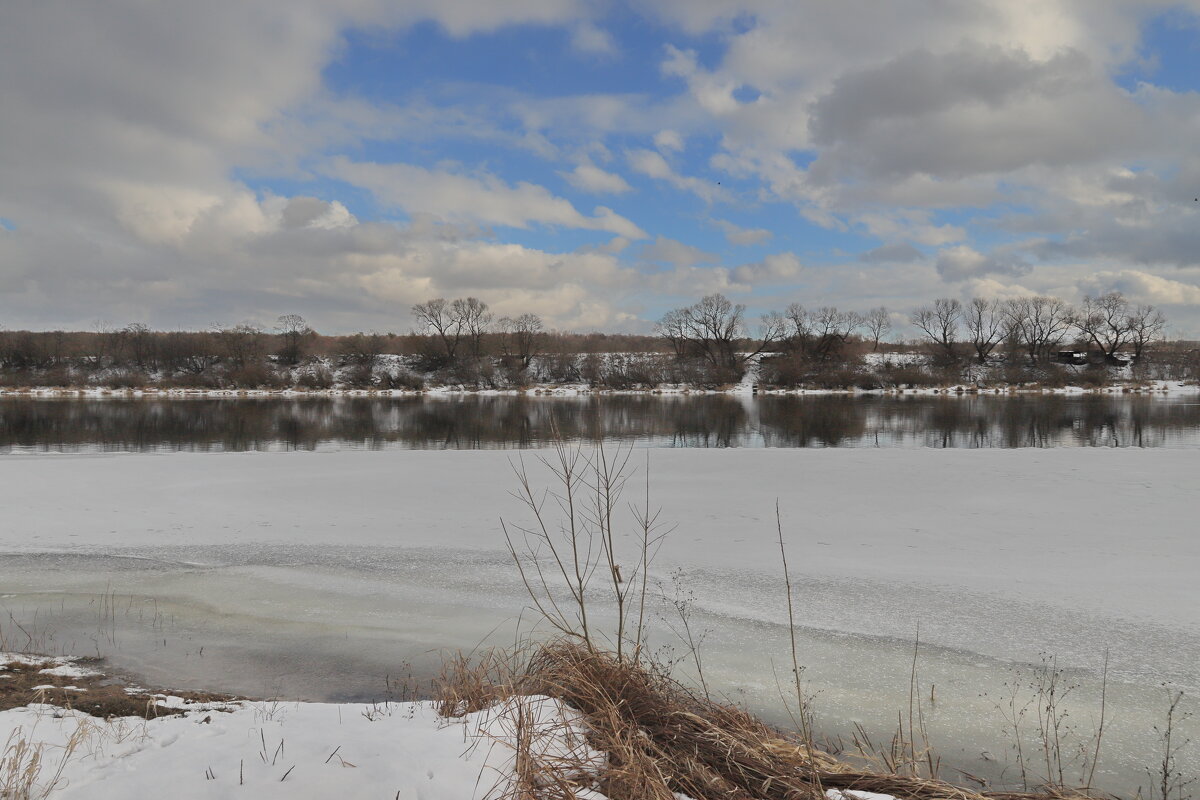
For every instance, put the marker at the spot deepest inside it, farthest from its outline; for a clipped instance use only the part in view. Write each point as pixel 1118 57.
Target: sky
pixel 189 164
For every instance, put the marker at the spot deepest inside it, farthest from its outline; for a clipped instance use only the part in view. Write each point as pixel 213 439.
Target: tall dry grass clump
pixel 662 738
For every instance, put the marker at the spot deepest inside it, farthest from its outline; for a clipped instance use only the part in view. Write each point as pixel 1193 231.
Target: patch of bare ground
pixel 82 684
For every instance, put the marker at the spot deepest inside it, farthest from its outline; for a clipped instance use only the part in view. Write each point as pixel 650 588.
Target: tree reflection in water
pixel 474 422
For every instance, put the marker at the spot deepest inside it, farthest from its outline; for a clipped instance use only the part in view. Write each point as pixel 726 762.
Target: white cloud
pixel 483 198
pixel 775 268
pixel 587 38
pixel 653 165
pixel 713 92
pixel 669 140
pixel 1144 287
pixel 677 253
pixel 590 178
pixel 913 225
pixel 736 234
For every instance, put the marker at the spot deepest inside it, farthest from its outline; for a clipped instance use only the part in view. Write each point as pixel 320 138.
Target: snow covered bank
pixel 295 750
pixel 57 742
pixel 747 385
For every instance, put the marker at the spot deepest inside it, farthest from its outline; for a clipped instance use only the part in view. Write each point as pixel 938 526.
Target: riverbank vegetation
pixel 1034 341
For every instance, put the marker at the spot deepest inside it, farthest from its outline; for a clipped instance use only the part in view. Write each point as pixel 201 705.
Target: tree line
pixel 708 343
pixel 457 340
pixel 715 330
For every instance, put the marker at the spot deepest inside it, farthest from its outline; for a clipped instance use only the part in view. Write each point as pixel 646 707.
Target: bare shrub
pixel 255 376
pixel 570 554
pixel 317 378
pixel 796 370
pixel 1168 781
pixel 359 376
pixel 401 379
pixel 123 379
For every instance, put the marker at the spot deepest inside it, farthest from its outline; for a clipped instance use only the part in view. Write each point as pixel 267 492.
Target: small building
pixel 1077 357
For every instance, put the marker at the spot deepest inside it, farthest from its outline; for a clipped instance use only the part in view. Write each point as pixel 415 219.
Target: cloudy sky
pixel 189 163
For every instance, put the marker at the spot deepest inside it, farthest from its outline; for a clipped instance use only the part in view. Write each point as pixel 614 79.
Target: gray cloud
pixel 963 262
pixel 972 111
pixel 899 253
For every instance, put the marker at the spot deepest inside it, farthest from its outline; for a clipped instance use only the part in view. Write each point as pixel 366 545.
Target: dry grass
pixel 32 770
pixel 661 738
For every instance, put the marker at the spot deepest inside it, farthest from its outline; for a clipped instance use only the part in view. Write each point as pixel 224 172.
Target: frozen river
pixel 320 574
pixel 483 422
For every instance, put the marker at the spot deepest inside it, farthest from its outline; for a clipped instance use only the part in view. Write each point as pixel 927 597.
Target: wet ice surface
pixel 320 575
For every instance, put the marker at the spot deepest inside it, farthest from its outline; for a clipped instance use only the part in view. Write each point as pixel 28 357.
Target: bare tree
pixel 362 349
pixel 1146 324
pixel 436 316
pixel 1105 322
pixel 821 334
pixel 292 329
pixel 242 344
pixel 1037 324
pixel 139 342
pixel 474 320
pixel 878 323
pixel 985 325
pixel 522 337
pixel 673 328
pixel 940 325
pixel 453 322
pixel 712 328
pixel 198 353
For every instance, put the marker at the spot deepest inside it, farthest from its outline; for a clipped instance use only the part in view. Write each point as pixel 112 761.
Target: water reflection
pixel 475 422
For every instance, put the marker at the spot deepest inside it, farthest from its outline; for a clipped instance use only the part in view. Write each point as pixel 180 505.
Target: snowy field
pixel 315 575
pixel 294 750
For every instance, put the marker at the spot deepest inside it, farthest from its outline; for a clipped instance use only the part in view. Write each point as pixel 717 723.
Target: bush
pixel 632 372
pixel 359 376
pixel 794 370
pixel 907 376
pixel 57 376
pixel 205 380
pixel 478 373
pixel 1052 376
pixel 402 380
pixel 704 375
pixel 255 376
pixel 559 368
pixel 123 379
pixel 317 378
pixel 1095 376
pixel 15 378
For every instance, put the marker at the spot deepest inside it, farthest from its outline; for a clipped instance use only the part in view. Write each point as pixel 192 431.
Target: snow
pixel 64 666
pixel 68 671
pixel 300 750
pixel 851 794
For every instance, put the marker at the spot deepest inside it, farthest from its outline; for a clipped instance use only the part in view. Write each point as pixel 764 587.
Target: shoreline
pixel 554 713
pixel 1157 387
